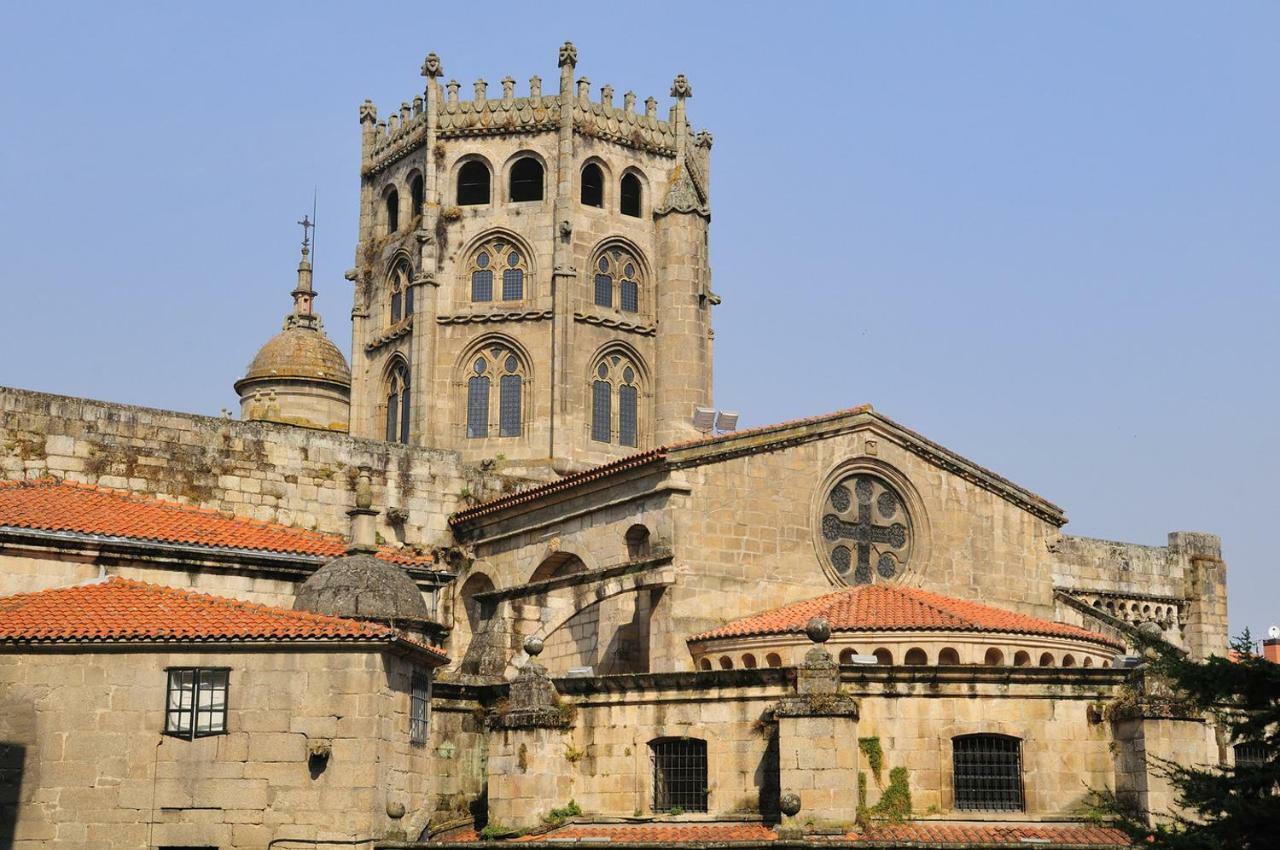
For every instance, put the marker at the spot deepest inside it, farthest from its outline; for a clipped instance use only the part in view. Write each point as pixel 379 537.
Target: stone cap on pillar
pixel 533 702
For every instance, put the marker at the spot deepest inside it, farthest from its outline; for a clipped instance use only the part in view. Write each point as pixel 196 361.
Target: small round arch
pixel 1068 660
pixel 1088 661
pixel 417 193
pixel 591 182
pixel 883 656
pixel 557 565
pixel 391 209
pixel 773 660
pixel 704 663
pixel 726 663
pixel 994 657
pixel 631 194
pixel 915 657
pixel 948 656
pixel 637 538
pixel 1046 659
pixel 473 178
pixel 749 661
pixel 846 655
pixel 478 612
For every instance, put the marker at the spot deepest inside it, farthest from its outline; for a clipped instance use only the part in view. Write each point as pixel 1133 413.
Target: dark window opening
pixel 637 542
pixel 630 195
pixel 419 707
pixel 600 411
pixel 393 211
pixel 1250 754
pixel 197 702
pixel 473 184
pixel 415 196
pixel 526 180
pixel 988 773
pixel 679 774
pixel 592 186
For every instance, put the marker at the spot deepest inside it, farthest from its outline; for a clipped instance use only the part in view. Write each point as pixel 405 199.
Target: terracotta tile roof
pixel 920 833
pixel 891 607
pixel 119 610
pixel 47 504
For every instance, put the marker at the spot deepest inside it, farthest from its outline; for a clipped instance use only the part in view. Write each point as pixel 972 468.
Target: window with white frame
pixel 196 703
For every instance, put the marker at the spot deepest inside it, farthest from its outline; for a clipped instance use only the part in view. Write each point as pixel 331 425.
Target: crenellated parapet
pixel 534 112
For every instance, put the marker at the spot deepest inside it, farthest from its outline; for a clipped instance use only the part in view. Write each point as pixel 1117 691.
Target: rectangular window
pixel 482 285
pixel 512 285
pixel 988 773
pixel 478 407
pixel 679 774
pixel 1250 754
pixel 509 405
pixel 629 295
pixel 601 398
pixel 419 707
pixel 197 702
pixel 627 431
pixel 604 290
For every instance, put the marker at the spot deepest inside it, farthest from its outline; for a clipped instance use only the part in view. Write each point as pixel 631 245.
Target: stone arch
pixel 915 657
pixel 416 186
pixel 1022 658
pixel 749 661
pixel 647 300
pixel 508 173
pixel 645 200
pixel 389 209
pixel 394 400
pixel 773 659
pixel 1068 660
pixel 618 381
pixel 639 542
pixel 883 656
pixel 477 612
pixel 557 565
pixel 994 657
pixel 948 656
pixel 396 283
pixel 704 663
pixel 1046 659
pixel 726 663
pixel 846 655
pixel 606 180
pixel 467 193
pixel 472 248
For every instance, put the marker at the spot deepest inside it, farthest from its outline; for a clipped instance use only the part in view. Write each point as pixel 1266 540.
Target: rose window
pixel 866 530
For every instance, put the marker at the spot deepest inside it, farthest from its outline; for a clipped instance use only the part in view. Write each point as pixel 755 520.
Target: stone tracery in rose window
pixel 865 530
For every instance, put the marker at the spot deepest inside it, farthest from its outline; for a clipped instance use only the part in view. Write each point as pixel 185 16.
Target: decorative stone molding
pixel 683 196
pixel 400 329
pixel 617 324
pixel 474 318
pixel 568 55
pixel 533 702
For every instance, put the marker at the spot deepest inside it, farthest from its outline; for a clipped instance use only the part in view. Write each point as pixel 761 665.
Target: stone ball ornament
pixel 533 646
pixel 818 629
pixel 789 804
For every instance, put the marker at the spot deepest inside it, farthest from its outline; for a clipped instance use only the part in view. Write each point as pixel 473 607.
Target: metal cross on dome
pixel 862 530
pixel 307 225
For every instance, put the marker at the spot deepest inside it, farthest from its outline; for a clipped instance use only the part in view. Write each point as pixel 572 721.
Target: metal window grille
pixel 601 425
pixel 629 295
pixel 404 414
pixel 604 290
pixel 482 285
pixel 679 774
pixel 512 284
pixel 988 772
pixel 393 411
pixel 1250 754
pixel 627 430
pixel 197 702
pixel 509 388
pixel 478 407
pixel 419 707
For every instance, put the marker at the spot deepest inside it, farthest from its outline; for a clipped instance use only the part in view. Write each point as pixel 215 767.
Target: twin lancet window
pixel 401 295
pixel 499 365
pixel 398 403
pixel 500 262
pixel 617 274
pixel 615 397
pixel 591 193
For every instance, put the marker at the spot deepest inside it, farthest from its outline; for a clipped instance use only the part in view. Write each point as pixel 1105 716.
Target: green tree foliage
pixel 1228 807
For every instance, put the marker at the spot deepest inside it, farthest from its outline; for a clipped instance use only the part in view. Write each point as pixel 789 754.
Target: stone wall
pixel 266 471
pixel 98 771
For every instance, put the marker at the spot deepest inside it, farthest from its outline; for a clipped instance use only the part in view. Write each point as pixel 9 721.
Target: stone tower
pixel 531 275
pixel 299 377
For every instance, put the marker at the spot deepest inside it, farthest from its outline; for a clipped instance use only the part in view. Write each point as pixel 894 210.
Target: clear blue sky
pixel 1043 235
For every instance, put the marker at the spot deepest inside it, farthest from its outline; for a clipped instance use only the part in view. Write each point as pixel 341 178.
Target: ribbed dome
pixel 364 588
pixel 299 352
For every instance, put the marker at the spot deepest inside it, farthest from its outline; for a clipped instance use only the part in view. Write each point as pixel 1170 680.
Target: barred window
pixel 679 774
pixel 615 378
pixel 398 403
pixel 630 195
pixel 988 772
pixel 601 402
pixel 495 363
pixel 509 405
pixel 615 267
pixel 627 435
pixel 419 706
pixel 1250 754
pixel 473 184
pixel 197 702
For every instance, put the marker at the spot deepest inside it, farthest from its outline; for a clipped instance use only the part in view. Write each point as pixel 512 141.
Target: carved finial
pixel 584 88
pixel 481 89
pixel 704 139
pixel 650 107
pixel 368 112
pixel 606 95
pixel 680 88
pixel 568 54
pixel 417 104
pixel 431 66
pixel 535 86
pixel 508 87
pixel 629 101
pixel 364 488
pixel 453 86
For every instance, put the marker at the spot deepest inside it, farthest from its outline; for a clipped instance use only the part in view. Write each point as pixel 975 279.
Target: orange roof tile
pixel 123 610
pixel 891 607
pixel 48 504
pixel 920 833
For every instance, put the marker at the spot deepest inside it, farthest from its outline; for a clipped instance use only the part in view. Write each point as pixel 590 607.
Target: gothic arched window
pixel 392 201
pixel 615 398
pixel 401 294
pixel 495 364
pixel 592 185
pixel 473 184
pixel 398 403
pixel 616 268
pixel 629 195
pixel 501 259
pixel 526 180
pixel 416 195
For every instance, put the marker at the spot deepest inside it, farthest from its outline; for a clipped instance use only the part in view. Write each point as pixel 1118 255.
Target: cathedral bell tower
pixel 531 274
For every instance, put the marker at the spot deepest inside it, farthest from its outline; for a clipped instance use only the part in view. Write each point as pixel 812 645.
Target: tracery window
pixel 498 257
pixel 398 403
pixel 473 184
pixel 679 774
pixel 988 772
pixel 629 195
pixel 615 397
pixel 496 364
pixel 865 529
pixel 617 269
pixel 401 295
